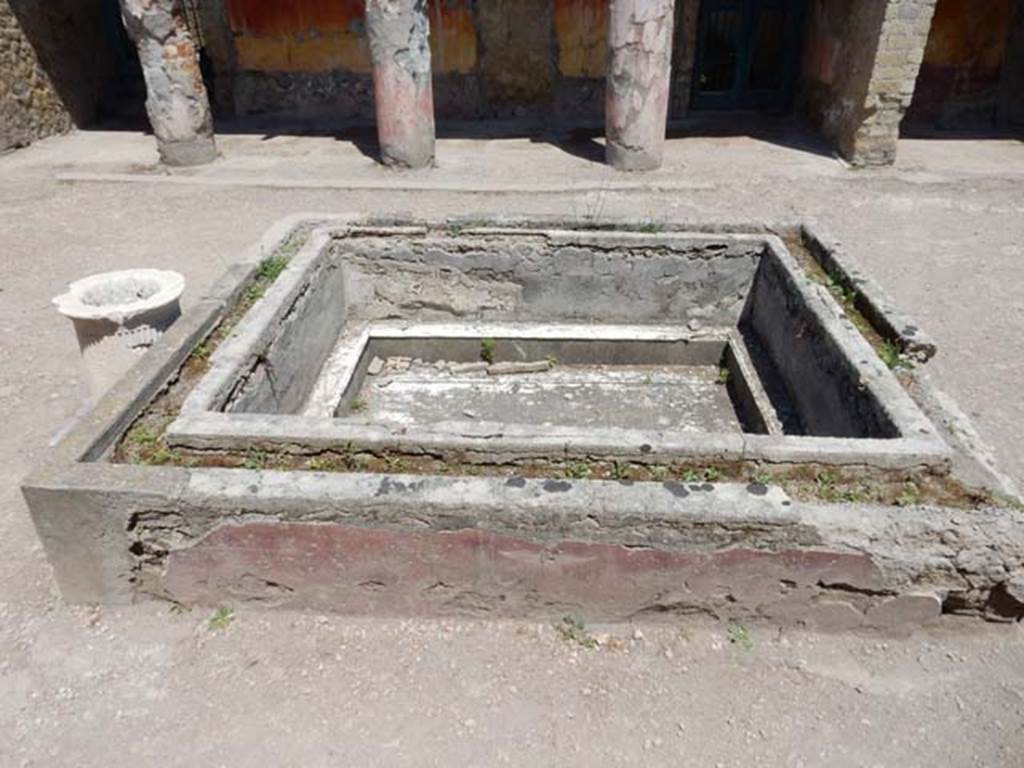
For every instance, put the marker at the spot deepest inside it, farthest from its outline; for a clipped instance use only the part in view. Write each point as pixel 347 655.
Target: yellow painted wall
pixel 324 35
pixel 581 28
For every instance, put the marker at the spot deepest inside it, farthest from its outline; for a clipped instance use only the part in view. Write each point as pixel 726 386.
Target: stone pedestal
pixel 398 31
pixel 639 75
pixel 176 99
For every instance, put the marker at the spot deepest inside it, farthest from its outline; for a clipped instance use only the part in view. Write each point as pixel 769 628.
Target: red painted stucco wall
pixel 963 61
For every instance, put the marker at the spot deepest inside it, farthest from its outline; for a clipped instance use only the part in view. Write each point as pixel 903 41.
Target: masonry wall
pixel 860 67
pixel 839 49
pixel 29 105
pixel 54 65
pixel 308 59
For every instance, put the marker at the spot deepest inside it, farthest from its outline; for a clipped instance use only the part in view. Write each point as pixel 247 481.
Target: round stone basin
pixel 120 296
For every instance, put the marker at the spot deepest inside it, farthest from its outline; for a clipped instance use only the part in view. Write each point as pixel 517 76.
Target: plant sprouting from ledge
pixel 892 355
pixel 487 348
pixel 573 630
pixel 221 619
pixel 272 267
pixel 620 471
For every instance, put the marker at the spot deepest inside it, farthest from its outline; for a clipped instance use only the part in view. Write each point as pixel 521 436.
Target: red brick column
pixel 639 74
pixel 402 90
pixel 176 100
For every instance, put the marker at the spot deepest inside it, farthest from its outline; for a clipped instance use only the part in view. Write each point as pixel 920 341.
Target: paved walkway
pixel 943 232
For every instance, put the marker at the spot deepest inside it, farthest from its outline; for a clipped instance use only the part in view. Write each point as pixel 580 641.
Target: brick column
pixel 901 45
pixel 176 100
pixel 639 77
pixel 402 90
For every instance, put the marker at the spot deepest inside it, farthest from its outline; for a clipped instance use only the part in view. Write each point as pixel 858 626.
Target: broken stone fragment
pixel 375 367
pixel 460 368
pixel 503 369
pixel 908 609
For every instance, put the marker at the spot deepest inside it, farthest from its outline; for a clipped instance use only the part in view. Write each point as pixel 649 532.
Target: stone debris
pixel 401 364
pixel 503 369
pixel 460 368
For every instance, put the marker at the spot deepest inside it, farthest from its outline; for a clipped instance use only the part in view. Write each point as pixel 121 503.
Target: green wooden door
pixel 747 54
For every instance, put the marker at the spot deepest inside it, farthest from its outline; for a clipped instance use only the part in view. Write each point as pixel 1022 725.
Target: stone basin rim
pixel 72 304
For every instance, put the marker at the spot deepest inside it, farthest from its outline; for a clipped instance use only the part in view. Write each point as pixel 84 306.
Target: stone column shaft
pixel 639 78
pixel 176 99
pixel 402 90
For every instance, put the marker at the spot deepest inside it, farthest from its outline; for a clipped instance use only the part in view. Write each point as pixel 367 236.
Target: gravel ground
pixel 943 233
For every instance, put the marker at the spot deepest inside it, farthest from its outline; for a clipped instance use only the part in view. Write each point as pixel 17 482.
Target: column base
pixel 197 151
pixel 625 159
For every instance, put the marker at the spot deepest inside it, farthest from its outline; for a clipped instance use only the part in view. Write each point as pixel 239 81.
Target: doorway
pixel 747 54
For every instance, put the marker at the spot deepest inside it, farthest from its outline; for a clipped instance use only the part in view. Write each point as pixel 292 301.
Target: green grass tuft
pixel 221 619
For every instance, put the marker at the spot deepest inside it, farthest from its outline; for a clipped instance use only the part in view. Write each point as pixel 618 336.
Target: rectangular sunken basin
pixel 521 421
pixel 496 345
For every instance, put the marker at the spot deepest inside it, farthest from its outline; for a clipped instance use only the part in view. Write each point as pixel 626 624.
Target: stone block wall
pixel 898 59
pixel 30 107
pixel 54 63
pixel 860 67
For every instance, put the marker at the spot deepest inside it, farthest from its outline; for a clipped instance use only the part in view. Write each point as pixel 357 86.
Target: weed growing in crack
pixel 577 470
pixel 723 375
pixel 842 291
pixel 712 474
pixel 620 471
pixel 909 496
pixel 272 267
pixel 161 455
pixel 827 489
pixel 825 486
pixel 255 459
pixel 221 619
pixel 320 464
pixel 397 464
pixel 142 435
pixel 740 636
pixel 573 630
pixel 650 225
pixel 690 476
pixel 892 356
